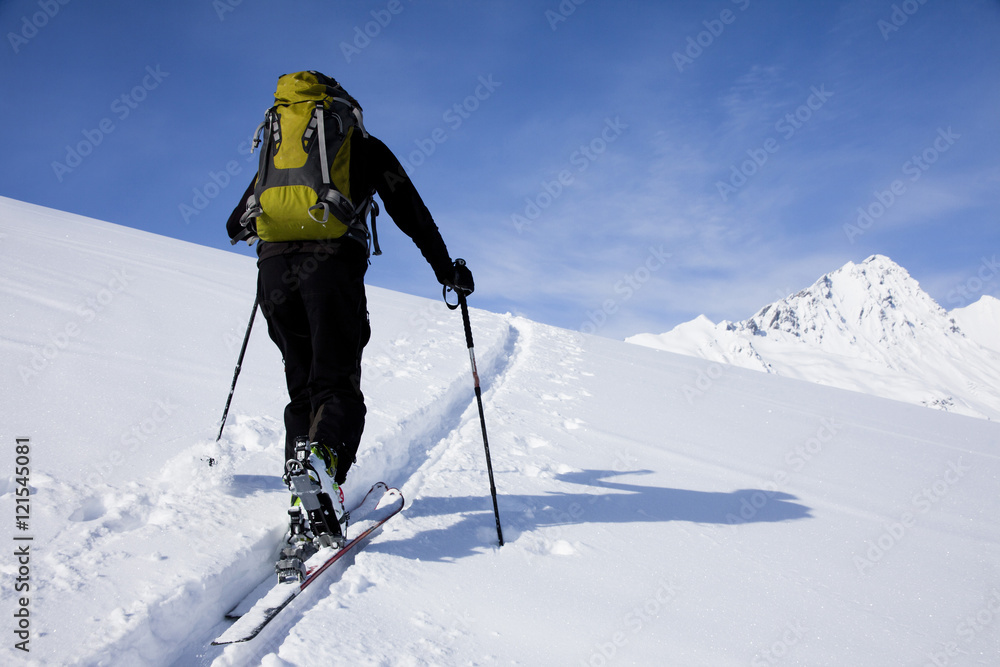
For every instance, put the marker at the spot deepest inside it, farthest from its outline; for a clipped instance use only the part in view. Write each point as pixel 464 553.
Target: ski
pixel 379 505
pixel 351 518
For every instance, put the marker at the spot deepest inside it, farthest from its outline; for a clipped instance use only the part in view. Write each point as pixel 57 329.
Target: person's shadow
pixel 621 503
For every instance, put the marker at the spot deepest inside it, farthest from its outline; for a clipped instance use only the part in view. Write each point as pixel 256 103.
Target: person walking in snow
pixel 310 283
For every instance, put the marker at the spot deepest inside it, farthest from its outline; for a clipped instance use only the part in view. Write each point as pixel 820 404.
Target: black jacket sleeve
pixel 233 226
pixel 386 176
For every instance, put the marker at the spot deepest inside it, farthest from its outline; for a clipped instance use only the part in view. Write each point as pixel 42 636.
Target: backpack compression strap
pixel 330 196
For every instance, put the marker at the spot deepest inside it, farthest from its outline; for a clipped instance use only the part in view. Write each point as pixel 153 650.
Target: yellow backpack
pixel 303 186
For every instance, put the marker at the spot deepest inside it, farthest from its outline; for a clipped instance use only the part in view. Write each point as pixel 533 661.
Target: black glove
pixel 460 279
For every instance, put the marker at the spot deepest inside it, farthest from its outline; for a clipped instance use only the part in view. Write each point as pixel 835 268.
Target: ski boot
pixel 310 478
pixel 299 548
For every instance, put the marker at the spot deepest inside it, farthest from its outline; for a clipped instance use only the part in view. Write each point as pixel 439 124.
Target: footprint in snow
pixel 91 510
pixel 535 442
pixel 562 548
pixel 120 517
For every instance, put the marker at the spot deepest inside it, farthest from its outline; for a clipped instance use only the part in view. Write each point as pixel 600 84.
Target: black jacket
pixel 373 168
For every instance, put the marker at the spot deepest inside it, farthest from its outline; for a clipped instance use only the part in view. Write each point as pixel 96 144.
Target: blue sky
pixel 612 167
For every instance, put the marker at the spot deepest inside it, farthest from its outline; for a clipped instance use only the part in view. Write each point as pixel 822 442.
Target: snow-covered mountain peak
pixel 980 321
pixel 866 326
pixel 876 300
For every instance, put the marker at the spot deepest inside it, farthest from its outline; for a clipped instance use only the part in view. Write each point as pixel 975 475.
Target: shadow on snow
pixel 602 502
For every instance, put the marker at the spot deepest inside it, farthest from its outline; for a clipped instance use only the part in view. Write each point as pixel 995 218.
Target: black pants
pixel 317 315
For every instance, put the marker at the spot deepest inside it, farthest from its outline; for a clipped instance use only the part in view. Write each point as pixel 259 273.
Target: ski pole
pixel 236 373
pixel 479 398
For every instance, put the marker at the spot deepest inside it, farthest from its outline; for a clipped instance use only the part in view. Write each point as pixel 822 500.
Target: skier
pixel 312 294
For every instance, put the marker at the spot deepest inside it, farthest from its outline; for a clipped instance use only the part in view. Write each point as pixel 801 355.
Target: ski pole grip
pixel 465 318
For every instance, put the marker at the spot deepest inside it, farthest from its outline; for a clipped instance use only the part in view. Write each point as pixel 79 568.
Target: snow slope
pixel 867 327
pixel 658 508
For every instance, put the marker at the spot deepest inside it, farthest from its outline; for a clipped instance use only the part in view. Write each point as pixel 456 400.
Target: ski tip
pixel 385 490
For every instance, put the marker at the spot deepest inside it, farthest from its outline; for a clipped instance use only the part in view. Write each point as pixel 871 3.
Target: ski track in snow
pixel 179 616
pixel 449 515
pixel 415 443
